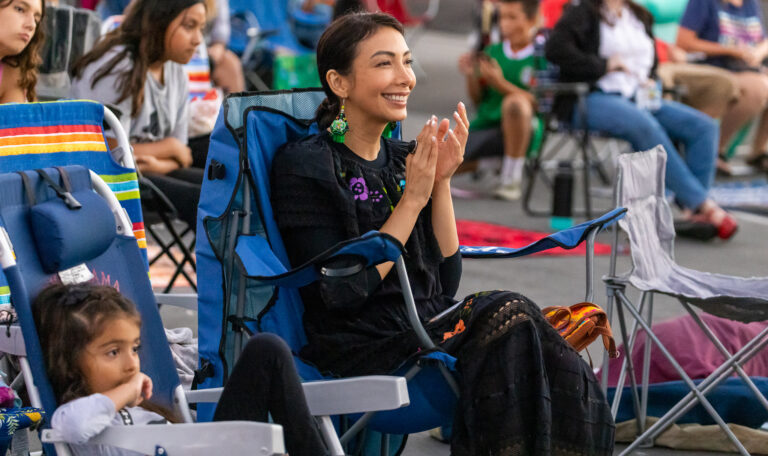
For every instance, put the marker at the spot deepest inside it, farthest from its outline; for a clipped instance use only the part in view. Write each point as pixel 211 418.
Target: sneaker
pixel 510 192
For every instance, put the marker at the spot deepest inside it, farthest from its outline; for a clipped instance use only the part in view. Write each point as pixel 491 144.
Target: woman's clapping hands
pixel 439 152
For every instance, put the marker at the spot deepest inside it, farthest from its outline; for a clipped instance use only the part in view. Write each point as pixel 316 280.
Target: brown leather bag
pixel 580 324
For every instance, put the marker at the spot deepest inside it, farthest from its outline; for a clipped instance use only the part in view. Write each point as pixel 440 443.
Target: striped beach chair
pixel 40 135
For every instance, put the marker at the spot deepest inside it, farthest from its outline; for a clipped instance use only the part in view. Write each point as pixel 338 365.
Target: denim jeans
pixel 689 177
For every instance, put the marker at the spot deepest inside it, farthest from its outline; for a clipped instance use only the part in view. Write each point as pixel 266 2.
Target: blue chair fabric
pixel 121 266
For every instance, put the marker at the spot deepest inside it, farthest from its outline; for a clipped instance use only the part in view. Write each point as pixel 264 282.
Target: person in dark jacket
pixel 609 45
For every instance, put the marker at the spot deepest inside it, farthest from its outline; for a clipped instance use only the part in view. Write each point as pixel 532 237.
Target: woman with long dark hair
pixel 609 44
pixel 524 390
pixel 21 38
pixel 136 70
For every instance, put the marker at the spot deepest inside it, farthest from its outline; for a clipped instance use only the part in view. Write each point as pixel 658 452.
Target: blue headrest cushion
pixel 67 237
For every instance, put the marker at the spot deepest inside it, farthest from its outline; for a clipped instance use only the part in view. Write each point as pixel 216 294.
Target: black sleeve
pixel 571 48
pixel 450 274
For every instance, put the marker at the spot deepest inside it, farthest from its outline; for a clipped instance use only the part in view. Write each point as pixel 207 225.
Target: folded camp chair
pixel 251 286
pixel 640 188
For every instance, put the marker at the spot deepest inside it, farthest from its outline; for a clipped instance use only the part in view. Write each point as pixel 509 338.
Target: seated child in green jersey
pixel 498 81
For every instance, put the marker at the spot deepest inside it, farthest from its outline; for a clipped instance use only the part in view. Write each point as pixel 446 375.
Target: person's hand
pixel 744 54
pixel 615 64
pixel 152 165
pixel 420 166
pixel 131 393
pixel 753 58
pixel 139 388
pixel 451 144
pixel 491 71
pixel 467 64
pixel 677 54
pixel 180 152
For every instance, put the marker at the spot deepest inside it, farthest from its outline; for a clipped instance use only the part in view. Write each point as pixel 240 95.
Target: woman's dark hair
pixel 29 59
pixel 68 318
pixel 639 11
pixel 337 49
pixel 142 32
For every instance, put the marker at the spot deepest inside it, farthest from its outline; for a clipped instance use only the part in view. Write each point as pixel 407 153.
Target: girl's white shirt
pixel 627 39
pixel 85 417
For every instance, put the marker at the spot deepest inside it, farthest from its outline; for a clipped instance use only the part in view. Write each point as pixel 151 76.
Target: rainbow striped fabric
pixel 40 135
pixel 199 73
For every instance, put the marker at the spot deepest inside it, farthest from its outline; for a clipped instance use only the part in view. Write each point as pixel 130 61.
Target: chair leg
pixel 623 371
pixel 646 369
pixel 628 359
pixel 720 374
pixel 681 372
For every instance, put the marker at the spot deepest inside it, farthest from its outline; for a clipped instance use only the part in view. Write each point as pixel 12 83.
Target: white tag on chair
pixel 77 274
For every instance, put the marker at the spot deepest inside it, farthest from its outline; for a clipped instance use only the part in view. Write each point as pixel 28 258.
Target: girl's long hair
pixel 337 50
pixel 142 33
pixel 28 60
pixel 68 318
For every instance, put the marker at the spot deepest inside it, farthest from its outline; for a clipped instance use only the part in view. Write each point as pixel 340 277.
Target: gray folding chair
pixel 640 188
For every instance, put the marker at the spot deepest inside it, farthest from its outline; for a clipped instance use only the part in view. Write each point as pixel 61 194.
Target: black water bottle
pixel 562 198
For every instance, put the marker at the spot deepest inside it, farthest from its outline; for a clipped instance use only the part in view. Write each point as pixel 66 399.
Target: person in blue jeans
pixel 609 44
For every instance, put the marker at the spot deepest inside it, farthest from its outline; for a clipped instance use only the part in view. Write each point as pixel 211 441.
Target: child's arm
pixel 159 157
pixel 85 417
pixel 494 76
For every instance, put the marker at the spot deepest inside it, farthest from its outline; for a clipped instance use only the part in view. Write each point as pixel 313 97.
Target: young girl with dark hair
pixel 21 38
pixel 609 44
pixel 136 70
pixel 524 390
pixel 90 336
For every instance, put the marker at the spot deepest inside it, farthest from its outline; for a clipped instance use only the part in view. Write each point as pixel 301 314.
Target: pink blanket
pixel 691 348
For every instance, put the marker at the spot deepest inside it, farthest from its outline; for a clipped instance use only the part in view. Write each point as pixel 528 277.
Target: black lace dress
pixel 524 390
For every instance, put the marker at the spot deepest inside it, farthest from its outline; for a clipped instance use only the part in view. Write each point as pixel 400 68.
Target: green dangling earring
pixel 389 129
pixel 339 127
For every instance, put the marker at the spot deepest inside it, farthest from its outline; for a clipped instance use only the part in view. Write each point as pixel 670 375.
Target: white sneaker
pixel 510 192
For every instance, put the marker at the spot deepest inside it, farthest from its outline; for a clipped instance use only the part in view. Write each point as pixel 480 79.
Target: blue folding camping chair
pixel 252 288
pixel 65 224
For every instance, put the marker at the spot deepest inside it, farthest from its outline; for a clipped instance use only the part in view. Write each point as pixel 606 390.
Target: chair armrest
pixel 184 300
pixel 356 395
pixel 197 396
pixel 567 239
pixel 256 261
pixel 338 397
pixel 191 439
